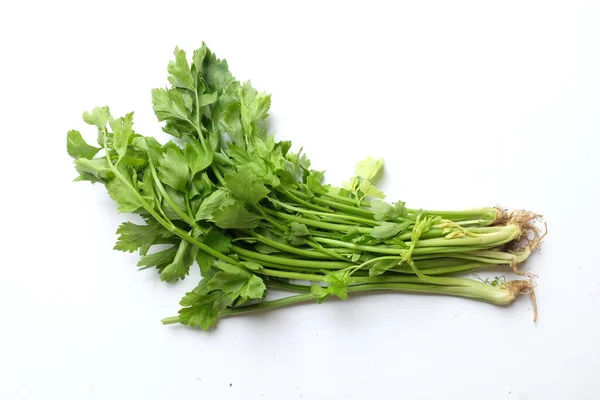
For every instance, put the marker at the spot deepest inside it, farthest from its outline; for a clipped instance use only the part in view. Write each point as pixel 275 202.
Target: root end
pixel 522 287
pixel 531 235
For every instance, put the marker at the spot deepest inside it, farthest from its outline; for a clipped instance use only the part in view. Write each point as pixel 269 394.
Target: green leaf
pixel 299 233
pixel 99 117
pixel 160 259
pixel 319 292
pixel 78 148
pixel 386 212
pixel 205 311
pixel 354 236
pixel 147 190
pixel 254 107
pixel 180 266
pixel 122 132
pixel 178 198
pixel 201 187
pixel 237 282
pixel 338 282
pixel 179 128
pixel 93 170
pixel 173 169
pixel 422 225
pixel 198 157
pixel 253 289
pixel 134 157
pixel 207 99
pixel 379 267
pixel 265 248
pixel 127 200
pixel 369 190
pixel 215 72
pixel 217 199
pixel 133 237
pixel 215 240
pixel 181 76
pixel 198 58
pixel 231 123
pixel 190 298
pixel 251 265
pixel 369 168
pixel 386 230
pixel 313 182
pixel 235 216
pixel 229 282
pixel 169 104
pixel 245 186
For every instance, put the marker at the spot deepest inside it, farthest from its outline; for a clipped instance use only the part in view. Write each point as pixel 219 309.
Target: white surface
pixel 470 103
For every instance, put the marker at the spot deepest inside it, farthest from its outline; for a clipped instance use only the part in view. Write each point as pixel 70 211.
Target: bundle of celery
pixel 254 216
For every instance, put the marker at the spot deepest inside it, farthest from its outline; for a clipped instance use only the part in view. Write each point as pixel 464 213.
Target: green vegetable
pixel 253 215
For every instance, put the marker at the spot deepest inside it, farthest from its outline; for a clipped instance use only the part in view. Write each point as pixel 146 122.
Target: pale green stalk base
pixel 502 294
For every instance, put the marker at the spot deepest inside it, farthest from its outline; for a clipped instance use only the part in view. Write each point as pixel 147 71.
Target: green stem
pixel 300 201
pixel 467 267
pixel 336 205
pixel 291 287
pixel 187 218
pixel 291 275
pixel 500 295
pixel 217 173
pixel 197 124
pixel 170 320
pixel 487 214
pixel 280 267
pixel 286 301
pixel 352 218
pixel 319 224
pixel 291 261
pixel 503 235
pixel 273 222
pixel 482 215
pixel 286 247
pixel 330 235
pixel 324 250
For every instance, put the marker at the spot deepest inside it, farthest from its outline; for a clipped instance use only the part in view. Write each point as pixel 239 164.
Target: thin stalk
pixel 336 205
pixel 503 235
pixel 217 173
pixel 291 287
pixel 325 234
pixel 184 216
pixel 287 193
pixel 262 213
pixel 286 247
pixel 446 270
pixel 395 250
pixel 325 250
pixel 352 218
pixel 486 214
pixel 291 275
pixel 318 224
pixel 291 261
pixel 281 267
pixel 500 295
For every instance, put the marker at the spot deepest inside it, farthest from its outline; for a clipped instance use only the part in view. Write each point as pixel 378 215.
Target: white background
pixel 470 103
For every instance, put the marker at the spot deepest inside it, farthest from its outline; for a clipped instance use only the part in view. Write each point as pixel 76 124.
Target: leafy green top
pixel 196 198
